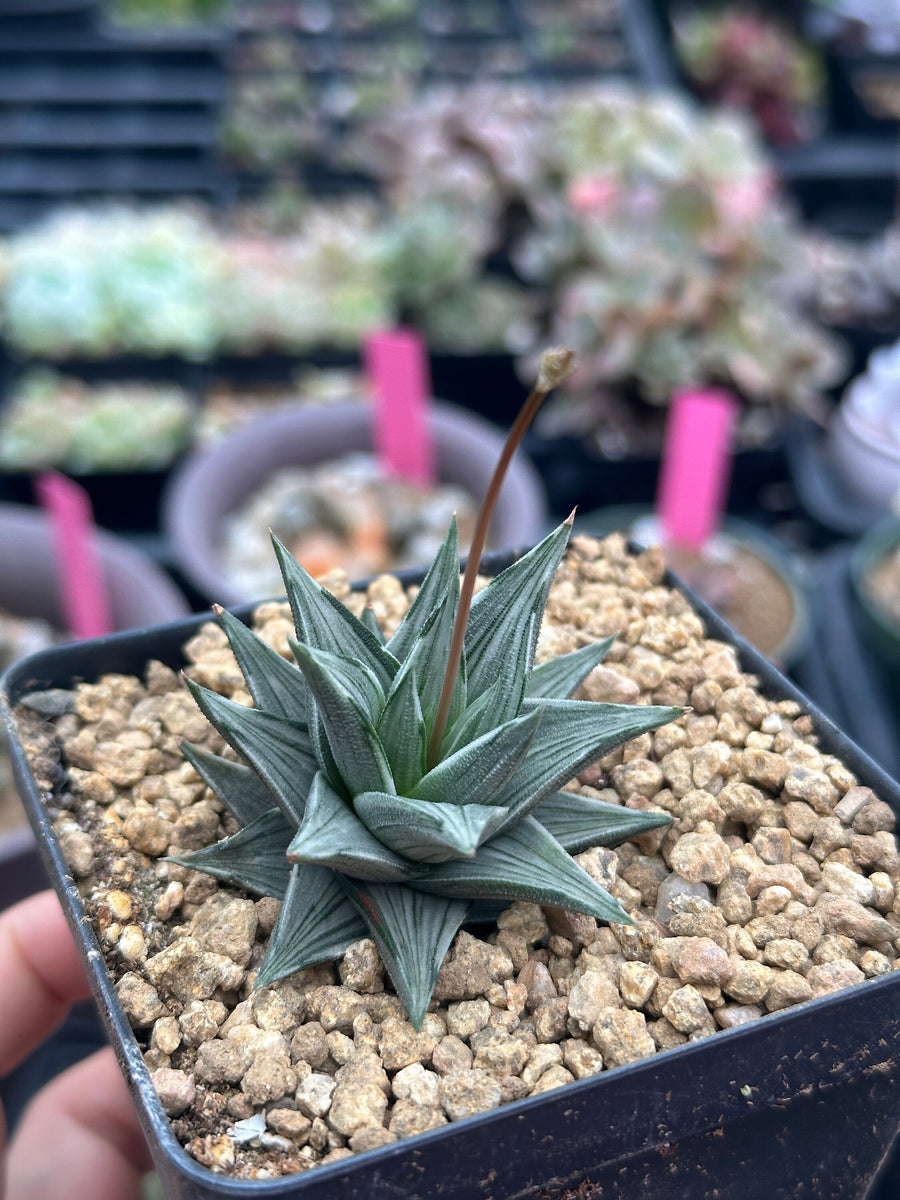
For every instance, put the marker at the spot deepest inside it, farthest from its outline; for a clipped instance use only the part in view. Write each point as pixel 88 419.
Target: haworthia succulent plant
pixel 375 802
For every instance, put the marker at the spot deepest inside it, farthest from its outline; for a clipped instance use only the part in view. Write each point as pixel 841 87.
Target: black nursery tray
pixel 817 1080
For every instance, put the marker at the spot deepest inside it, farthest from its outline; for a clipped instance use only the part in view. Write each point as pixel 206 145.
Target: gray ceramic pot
pixel 216 481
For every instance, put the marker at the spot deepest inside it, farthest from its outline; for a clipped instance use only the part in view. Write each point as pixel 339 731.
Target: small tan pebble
pixel 542 1057
pixel 686 1010
pixel 148 832
pixel 874 817
pixel 176 1089
pixel 451 1054
pixel 665 1035
pixel 750 982
pixel 832 976
pixel 198 1023
pixel 170 901
pixel 78 851
pixel 399 1044
pixel 592 993
pixel 355 1105
pixel 873 964
pixel 538 982
pixel 467 1017
pixel 314 1094
pixel 155 1059
pixel 636 983
pixel 213 1151
pixel 729 1016
pixel 845 882
pixel 120 905
pixel 140 1000
pixel 550 1020
pixel 553 1077
pixel 221 1062
pixel 370 1137
pixel 787 953
pixel 188 972
pixel 841 915
pixel 852 802
pixel 132 945
pixel 408 1118
pixel 621 1036
pixel 581 1058
pixel 465 1093
pixel 310 1044
pixel 361 967
pixel 166 1035
pixel 700 858
pixel 700 960
pixel 500 1052
pixel 289 1123
pixel 340 1047
pixel 787 988
pixel 267 1080
pixel 418 1084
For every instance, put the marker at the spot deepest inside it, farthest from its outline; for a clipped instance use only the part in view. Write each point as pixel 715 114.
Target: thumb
pixel 79 1137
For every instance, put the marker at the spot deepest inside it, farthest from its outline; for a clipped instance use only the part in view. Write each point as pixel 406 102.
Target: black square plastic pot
pixel 802 1103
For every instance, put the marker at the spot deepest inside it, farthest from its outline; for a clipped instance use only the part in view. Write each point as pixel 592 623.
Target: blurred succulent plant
pixel 110 281
pixel 323 285
pixel 52 421
pixel 167 12
pixel 668 258
pixel 753 61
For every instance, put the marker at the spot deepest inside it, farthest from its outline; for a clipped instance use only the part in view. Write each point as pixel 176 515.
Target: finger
pixel 80 1137
pixel 41 972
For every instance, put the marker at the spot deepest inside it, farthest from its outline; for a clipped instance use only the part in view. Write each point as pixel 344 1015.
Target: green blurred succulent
pixel 51 421
pixel 112 280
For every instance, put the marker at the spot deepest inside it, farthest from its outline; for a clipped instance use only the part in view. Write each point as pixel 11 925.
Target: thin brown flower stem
pixel 547 380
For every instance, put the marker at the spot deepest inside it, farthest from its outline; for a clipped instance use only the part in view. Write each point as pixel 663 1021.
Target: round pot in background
pixel 881 632
pixel 212 483
pixel 140 594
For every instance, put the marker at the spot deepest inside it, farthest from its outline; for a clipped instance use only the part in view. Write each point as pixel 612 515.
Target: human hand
pixel 80 1135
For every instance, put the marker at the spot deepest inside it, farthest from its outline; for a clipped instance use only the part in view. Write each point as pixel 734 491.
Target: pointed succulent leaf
pixel 402 730
pixel 355 746
pixel 505 607
pixel 578 821
pixel 524 863
pixel 424 831
pixel 572 734
pixel 253 858
pixel 238 786
pixel 558 678
pixel 332 835
pixel 480 771
pixel 322 749
pixel 358 681
pixel 322 621
pixel 429 656
pixel 274 682
pixel 413 932
pixel 476 719
pixel 280 750
pixel 441 579
pixel 370 621
pixel 316 923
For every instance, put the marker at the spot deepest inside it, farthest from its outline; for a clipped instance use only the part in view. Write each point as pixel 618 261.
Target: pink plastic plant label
pixel 85 602
pixel 397 368
pixel 696 465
